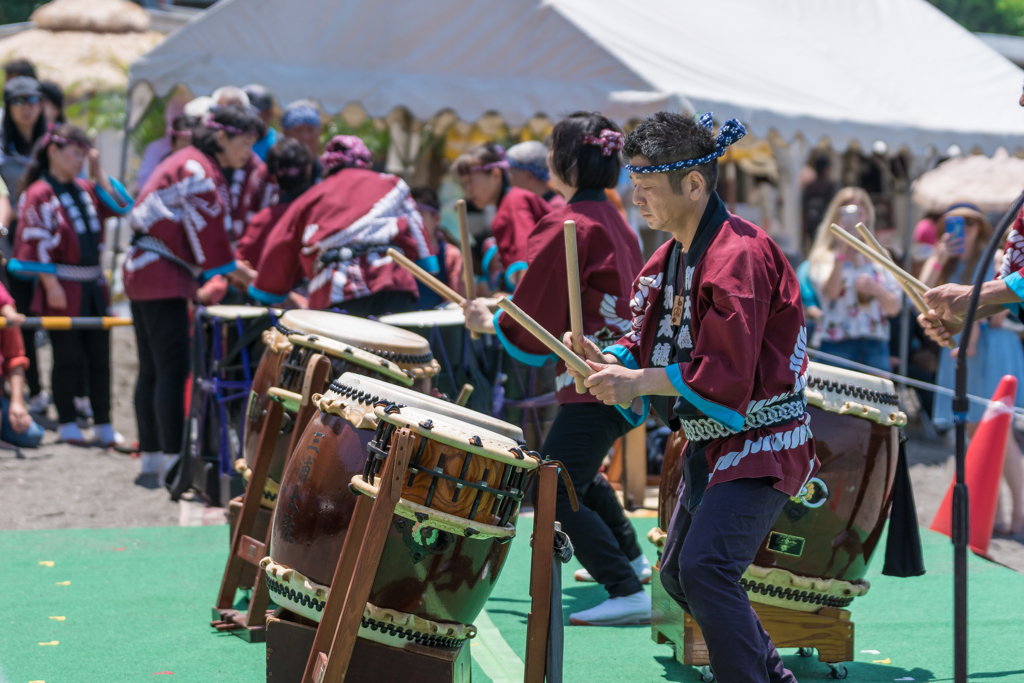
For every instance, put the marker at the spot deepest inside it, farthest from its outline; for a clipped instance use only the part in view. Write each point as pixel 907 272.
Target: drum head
pixel 443 317
pixel 351 383
pixel 367 334
pixel 846 392
pixel 234 312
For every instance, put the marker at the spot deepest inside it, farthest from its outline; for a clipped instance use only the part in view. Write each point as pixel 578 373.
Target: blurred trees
pixel 986 16
pixel 13 11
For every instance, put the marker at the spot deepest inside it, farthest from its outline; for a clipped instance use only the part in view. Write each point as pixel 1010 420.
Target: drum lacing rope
pixel 705 429
pixel 355 394
pixel 853 390
pixel 795 595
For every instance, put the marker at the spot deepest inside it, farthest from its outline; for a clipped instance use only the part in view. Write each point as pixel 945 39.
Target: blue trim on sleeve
pixel 514 268
pixel 220 270
pixel 109 201
pixel 485 262
pixel 28 270
pixel 531 359
pixel 624 356
pixel 429 264
pixel 718 413
pixel 265 297
pixel 1016 284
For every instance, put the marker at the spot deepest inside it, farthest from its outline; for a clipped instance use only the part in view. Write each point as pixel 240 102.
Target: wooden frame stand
pixel 829 630
pixel 246 550
pixel 539 621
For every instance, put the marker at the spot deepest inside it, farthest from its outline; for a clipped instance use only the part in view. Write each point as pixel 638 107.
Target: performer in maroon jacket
pixel 718 345
pixel 483 172
pixel 336 234
pixel 181 226
pixel 584 160
pixel 60 241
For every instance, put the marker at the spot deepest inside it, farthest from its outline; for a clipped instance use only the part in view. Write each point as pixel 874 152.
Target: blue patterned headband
pixel 539 171
pixel 731 131
pixel 301 115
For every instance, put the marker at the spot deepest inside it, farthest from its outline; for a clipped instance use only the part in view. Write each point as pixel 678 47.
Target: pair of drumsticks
pixel 532 326
pixel 913 287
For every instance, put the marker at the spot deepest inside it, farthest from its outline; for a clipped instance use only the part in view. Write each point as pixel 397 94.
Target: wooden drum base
pixel 290 638
pixel 829 630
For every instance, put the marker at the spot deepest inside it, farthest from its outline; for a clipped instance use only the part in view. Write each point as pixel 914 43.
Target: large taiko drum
pixel 817 553
pixel 353 345
pixel 450 535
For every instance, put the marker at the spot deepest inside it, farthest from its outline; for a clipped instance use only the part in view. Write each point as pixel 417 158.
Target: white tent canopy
pixel 892 70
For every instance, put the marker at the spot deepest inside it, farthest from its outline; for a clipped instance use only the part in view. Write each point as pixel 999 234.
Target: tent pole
pixel 123 174
pixel 908 243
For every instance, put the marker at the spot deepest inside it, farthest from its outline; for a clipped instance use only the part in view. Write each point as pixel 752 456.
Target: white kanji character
pixel 660 355
pixel 689 277
pixel 686 309
pixel 684 340
pixel 669 291
pixel 665 328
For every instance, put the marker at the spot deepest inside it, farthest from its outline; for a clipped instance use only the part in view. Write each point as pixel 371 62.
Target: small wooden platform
pixel 829 630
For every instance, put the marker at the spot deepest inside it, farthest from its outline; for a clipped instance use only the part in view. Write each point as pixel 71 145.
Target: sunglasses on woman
pixel 30 99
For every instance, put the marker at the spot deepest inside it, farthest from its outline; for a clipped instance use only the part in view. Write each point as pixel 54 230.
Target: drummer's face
pixel 482 187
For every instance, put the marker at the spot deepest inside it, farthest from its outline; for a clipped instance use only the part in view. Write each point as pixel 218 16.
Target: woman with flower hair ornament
pixel 337 235
pixel 484 174
pixel 717 346
pixel 584 161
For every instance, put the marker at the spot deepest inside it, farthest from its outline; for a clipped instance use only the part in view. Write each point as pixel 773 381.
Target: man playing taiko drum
pixel 717 347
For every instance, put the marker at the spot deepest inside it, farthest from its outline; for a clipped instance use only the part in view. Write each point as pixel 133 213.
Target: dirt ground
pixel 60 486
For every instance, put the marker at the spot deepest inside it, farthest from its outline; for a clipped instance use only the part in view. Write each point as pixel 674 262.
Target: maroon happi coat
pixel 249 190
pixel 47 236
pixel 250 247
pixel 359 213
pixel 609 257
pixel 747 348
pixel 518 212
pixel 184 205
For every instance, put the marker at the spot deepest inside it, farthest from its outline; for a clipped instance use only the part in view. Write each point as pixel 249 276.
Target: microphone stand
pixel 961 522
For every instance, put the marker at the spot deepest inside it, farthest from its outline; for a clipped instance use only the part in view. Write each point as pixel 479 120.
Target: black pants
pixel 704 557
pixel 602 537
pixel 161 332
pixel 22 292
pixel 81 358
pixel 376 305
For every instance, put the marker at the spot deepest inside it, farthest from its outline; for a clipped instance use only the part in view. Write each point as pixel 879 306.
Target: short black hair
pixel 421 194
pixel 580 164
pixel 481 155
pixel 53 94
pixel 39 161
pixel 821 163
pixel 666 137
pixel 290 162
pixel 19 67
pixel 241 118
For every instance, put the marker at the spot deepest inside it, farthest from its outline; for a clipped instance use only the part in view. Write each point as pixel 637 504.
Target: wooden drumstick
pixel 464 394
pixel 870 239
pixel 572 276
pixel 426 278
pixel 547 339
pixel 467 255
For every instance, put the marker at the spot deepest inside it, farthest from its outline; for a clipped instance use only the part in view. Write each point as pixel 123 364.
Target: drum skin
pixel 858 465
pixel 450 582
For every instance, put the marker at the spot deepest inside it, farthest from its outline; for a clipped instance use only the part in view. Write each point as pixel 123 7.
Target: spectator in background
pixel 159 149
pixel 449 258
pixel 261 99
pixel 925 238
pixel 817 194
pixel 19 67
pixel 857 297
pixel 528 169
pixel 301 121
pixel 23 124
pixel 229 94
pixel 994 351
pixel 53 102
pixel 18 428
pixel 180 132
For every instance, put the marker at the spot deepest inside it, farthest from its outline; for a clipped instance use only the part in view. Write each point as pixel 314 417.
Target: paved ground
pixel 61 486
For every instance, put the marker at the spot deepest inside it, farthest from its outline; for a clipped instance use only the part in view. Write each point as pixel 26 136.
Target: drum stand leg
pixel 356 569
pixel 245 549
pixel 541 575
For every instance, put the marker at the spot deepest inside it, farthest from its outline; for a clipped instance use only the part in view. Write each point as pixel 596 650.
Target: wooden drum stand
pixel 247 551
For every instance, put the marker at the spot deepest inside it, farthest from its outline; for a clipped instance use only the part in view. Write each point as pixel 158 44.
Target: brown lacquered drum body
pixel 434 576
pixel 818 552
pixel 352 344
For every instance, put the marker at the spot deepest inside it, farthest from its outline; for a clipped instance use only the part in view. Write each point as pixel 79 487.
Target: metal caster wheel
pixel 706 674
pixel 806 652
pixel 838 670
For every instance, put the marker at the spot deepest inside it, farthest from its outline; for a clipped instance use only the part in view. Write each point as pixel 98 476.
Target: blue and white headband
pixel 731 131
pixel 301 115
pixel 539 171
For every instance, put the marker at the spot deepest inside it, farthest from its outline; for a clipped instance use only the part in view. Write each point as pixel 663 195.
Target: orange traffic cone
pixel 983 469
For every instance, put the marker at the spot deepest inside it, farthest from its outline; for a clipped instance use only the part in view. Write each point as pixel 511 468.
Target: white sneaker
pixel 640 565
pixel 70 433
pixel 107 435
pixel 40 402
pixel 630 609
